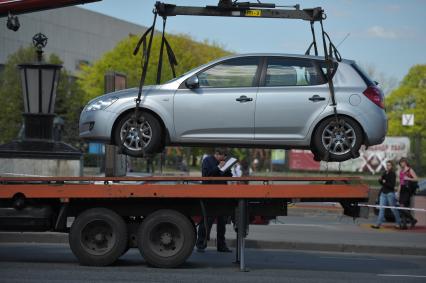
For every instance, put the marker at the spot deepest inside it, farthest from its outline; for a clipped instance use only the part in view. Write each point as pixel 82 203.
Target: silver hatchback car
pixel 253 100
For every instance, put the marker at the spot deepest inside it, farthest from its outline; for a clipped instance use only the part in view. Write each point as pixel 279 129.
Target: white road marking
pixel 333 227
pixel 402 275
pixel 347 258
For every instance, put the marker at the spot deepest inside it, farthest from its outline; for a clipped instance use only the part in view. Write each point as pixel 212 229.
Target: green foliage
pixel 189 54
pixel 67 99
pixel 408 98
pixel 11 95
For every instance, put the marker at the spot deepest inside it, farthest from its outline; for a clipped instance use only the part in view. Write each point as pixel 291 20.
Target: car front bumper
pixel 96 125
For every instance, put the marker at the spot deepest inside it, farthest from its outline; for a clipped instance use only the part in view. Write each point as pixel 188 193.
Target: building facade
pixel 78 36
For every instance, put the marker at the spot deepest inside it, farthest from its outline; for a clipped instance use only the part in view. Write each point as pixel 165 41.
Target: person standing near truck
pixel 387 196
pixel 211 167
pixel 406 175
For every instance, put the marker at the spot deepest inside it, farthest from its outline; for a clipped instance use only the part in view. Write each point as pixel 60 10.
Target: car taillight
pixel 375 94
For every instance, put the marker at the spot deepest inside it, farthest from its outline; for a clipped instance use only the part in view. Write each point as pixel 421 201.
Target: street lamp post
pixel 36 152
pixel 39 84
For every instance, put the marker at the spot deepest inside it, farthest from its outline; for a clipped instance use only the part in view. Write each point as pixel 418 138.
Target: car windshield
pixel 178 77
pixel 190 71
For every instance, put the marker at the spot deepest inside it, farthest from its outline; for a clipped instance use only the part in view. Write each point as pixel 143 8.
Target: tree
pixel 409 98
pixel 11 95
pixel 67 98
pixel 189 54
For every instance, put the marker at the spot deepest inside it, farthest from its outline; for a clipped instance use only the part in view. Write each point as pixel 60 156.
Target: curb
pixel 34 237
pixel 62 238
pixel 328 247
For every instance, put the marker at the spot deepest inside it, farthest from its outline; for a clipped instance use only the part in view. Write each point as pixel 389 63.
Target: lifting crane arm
pixel 241 10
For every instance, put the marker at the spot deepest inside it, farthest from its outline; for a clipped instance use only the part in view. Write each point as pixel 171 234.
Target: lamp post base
pixel 39 158
pixel 38 126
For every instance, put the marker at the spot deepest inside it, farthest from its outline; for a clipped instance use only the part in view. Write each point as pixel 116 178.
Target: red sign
pixel 303 160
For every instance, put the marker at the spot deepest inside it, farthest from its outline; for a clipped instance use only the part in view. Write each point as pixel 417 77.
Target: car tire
pixel 98 237
pixel 166 238
pixel 337 140
pixel 150 127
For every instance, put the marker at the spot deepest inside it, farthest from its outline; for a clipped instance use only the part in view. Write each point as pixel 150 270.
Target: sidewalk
pixel 334 233
pixel 322 227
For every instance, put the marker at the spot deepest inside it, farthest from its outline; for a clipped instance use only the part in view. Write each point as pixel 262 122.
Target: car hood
pixel 130 92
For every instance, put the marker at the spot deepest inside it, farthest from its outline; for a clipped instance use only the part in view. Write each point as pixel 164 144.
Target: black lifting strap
pixel 172 58
pixel 328 55
pixel 145 57
pixel 170 55
pixel 314 42
pixel 144 63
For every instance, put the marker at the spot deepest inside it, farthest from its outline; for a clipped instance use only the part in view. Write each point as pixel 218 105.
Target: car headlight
pixel 101 104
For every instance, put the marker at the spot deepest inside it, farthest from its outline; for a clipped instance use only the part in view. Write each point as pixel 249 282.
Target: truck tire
pixel 166 238
pixel 98 237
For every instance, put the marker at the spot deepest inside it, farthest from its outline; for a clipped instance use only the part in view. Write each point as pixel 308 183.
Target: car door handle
pixel 316 98
pixel 244 98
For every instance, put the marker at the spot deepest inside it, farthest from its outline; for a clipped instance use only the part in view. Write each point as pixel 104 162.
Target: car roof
pixel 231 56
pixel 303 56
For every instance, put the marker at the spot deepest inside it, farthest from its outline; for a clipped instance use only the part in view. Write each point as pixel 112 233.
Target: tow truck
pixel 106 216
pixel 153 215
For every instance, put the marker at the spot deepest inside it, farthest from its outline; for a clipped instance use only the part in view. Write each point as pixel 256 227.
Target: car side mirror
pixel 192 82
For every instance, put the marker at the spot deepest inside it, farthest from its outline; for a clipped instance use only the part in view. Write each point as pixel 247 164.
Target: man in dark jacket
pixel 387 196
pixel 211 167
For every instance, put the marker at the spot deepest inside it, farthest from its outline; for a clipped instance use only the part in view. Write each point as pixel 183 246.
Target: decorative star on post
pixel 39 42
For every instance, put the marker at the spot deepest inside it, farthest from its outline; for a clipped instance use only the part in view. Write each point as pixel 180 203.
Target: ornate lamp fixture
pixel 39 84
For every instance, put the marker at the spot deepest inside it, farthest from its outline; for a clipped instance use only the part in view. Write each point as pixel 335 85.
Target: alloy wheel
pixel 135 135
pixel 338 137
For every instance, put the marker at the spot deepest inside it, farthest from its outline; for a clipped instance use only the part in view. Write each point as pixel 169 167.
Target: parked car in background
pixel 253 100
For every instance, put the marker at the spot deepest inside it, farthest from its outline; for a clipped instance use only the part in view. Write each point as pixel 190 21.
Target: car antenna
pixel 343 40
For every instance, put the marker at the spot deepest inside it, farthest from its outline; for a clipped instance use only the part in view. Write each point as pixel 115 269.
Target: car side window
pixel 238 72
pixel 292 72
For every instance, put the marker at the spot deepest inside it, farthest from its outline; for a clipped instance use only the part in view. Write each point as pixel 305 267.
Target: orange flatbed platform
pixel 184 187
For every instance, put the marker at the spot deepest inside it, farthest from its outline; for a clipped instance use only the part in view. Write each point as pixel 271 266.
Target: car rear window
pixel 363 75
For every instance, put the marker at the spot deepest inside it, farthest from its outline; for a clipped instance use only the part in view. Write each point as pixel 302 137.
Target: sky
pixel 388 35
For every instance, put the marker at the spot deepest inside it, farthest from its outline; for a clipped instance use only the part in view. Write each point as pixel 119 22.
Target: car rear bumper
pixel 375 127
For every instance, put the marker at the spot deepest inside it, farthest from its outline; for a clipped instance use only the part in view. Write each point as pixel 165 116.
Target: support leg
pixel 241 233
pixel 237 249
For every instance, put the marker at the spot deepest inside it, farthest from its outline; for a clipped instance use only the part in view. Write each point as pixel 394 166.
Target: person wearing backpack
pixel 407 181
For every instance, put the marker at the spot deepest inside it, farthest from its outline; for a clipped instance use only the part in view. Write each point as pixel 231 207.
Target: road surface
pixel 26 262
